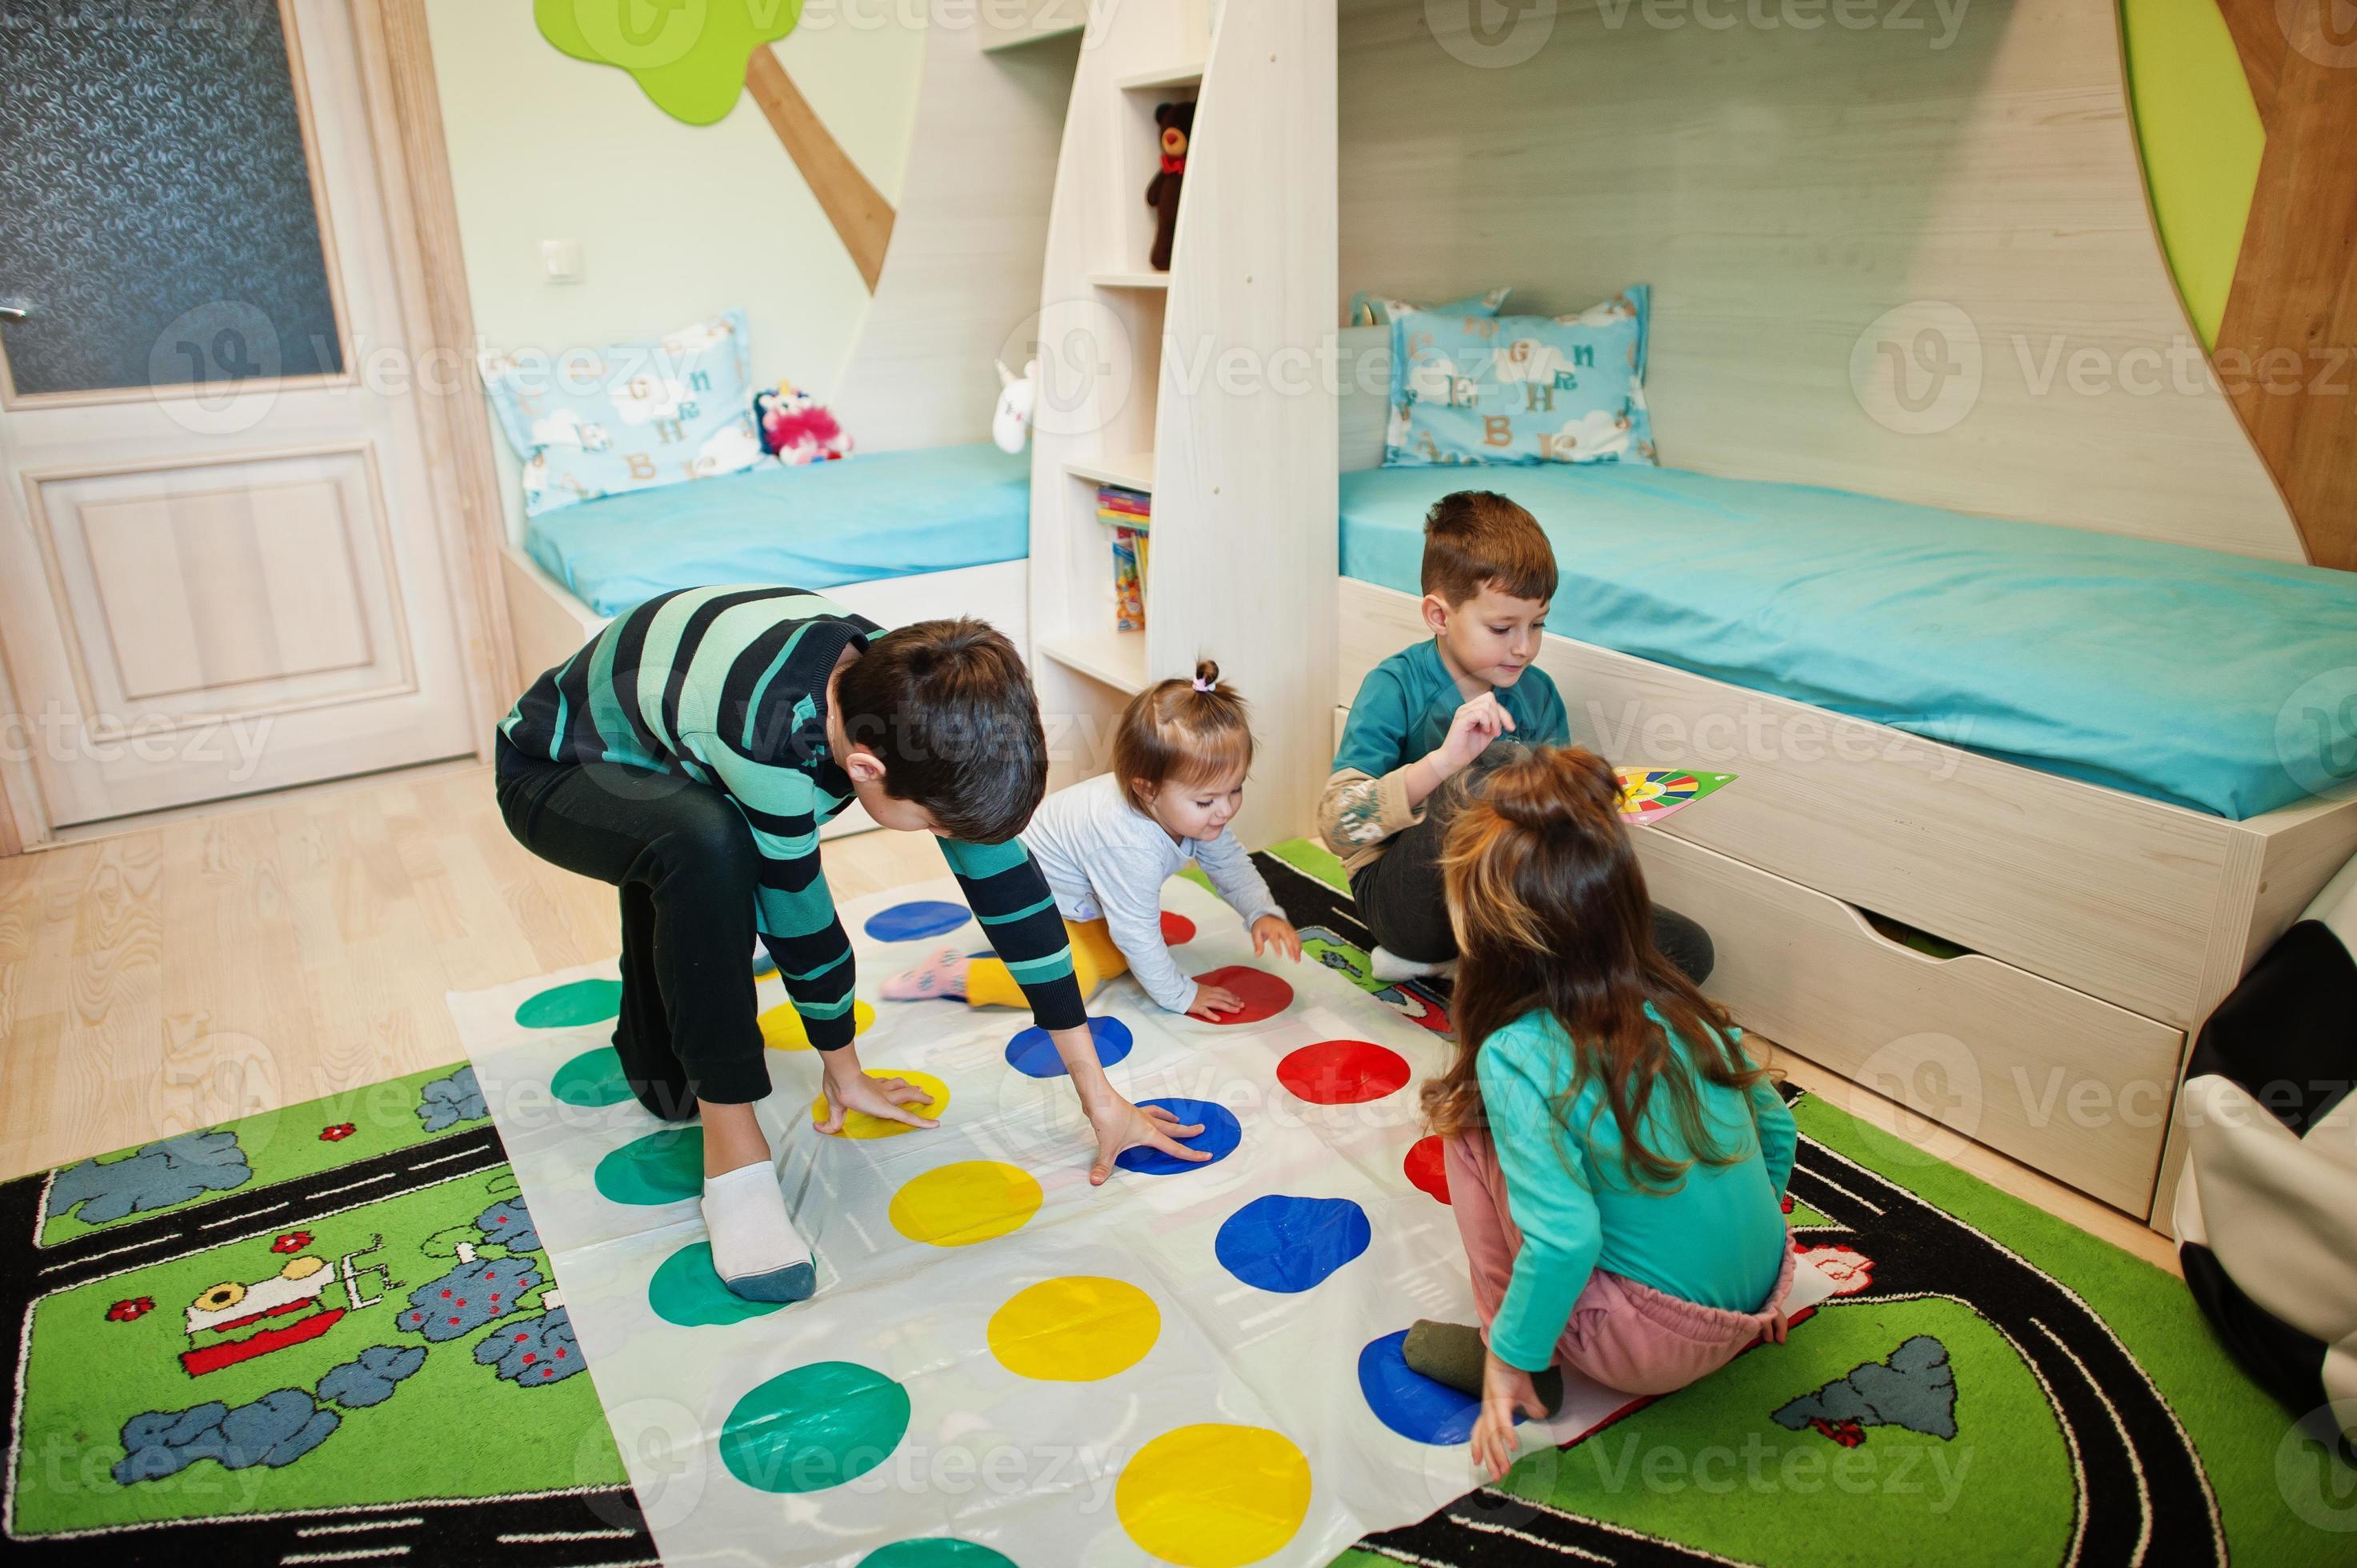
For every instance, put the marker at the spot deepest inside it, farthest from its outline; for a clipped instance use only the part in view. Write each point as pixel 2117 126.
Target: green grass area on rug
pixel 1843 1448
pixel 294 1318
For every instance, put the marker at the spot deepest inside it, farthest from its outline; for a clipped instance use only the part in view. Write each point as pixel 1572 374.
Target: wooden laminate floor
pixel 274 951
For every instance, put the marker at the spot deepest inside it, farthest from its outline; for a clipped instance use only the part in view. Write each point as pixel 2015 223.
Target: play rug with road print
pixel 1987 1385
pixel 323 1334
pixel 329 1335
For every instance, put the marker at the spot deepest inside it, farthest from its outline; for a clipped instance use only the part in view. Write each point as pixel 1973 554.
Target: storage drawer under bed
pixel 2069 1084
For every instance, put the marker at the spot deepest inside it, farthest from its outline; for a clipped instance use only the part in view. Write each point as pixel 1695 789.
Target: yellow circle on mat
pixel 1214 1496
pixel 860 1124
pixel 781 1027
pixel 1074 1329
pixel 972 1201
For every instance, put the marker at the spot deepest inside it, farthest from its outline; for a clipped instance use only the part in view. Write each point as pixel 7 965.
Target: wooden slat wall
pixel 1782 189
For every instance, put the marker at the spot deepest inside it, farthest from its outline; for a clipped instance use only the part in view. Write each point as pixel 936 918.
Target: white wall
pixel 677 222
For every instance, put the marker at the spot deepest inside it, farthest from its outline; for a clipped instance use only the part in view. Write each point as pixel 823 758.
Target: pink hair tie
pixel 1202 684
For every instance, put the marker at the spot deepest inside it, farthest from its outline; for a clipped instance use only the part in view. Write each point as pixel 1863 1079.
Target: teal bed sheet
pixel 883 514
pixel 2212 681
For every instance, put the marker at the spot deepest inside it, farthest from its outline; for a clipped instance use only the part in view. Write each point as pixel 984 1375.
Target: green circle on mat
pixel 661 1167
pixel 593 1077
pixel 935 1552
pixel 565 1006
pixel 686 1291
pixel 814 1427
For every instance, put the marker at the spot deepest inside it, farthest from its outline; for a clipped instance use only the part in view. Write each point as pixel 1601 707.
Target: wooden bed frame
pixel 1804 203
pixel 2103 927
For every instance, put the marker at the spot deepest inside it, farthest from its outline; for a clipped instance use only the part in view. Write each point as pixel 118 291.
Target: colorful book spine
pixel 1130 513
pixel 1128 580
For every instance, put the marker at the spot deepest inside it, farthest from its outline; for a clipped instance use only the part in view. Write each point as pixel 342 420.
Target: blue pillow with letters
pixel 1521 388
pixel 600 422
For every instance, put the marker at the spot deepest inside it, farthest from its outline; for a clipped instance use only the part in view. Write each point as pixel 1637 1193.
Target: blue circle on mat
pixel 1220 1134
pixel 1289 1244
pixel 1409 1403
pixel 1033 1054
pixel 917 920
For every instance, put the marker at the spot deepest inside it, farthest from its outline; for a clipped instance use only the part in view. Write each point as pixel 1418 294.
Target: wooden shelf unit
pixel 1241 467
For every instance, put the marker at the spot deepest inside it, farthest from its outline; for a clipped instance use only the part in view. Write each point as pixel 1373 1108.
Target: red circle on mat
pixel 1264 995
pixel 1425 1169
pixel 1176 929
pixel 1343 1072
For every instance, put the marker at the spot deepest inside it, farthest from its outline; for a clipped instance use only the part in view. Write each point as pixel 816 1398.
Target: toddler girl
pixel 1107 845
pixel 1616 1162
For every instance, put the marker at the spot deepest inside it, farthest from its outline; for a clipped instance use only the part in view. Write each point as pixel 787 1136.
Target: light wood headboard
pixel 1782 190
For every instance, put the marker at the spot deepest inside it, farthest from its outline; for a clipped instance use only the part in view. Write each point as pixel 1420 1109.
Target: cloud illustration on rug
pixel 473 1293
pixel 537 1351
pixel 171 1170
pixel 1916 1388
pixel 370 1379
pixel 276 1429
pixel 508 1223
pixel 446 1102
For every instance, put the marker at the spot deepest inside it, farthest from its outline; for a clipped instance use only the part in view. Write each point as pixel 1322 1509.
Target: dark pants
pixel 684 860
pixel 1402 899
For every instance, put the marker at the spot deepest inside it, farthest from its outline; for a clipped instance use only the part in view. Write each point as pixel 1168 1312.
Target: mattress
pixel 2215 681
pixel 885 514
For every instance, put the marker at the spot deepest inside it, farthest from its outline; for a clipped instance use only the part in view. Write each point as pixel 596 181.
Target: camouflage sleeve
pixel 1358 811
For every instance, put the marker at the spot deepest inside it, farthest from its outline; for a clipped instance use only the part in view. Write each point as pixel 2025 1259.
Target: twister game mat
pixel 319 1334
pixel 1191 1365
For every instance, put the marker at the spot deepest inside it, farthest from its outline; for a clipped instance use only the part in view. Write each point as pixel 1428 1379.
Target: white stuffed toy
pixel 1010 423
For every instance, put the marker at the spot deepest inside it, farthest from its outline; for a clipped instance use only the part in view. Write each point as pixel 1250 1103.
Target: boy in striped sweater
pixel 688 755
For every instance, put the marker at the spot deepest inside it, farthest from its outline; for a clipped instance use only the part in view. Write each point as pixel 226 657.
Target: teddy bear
pixel 1177 122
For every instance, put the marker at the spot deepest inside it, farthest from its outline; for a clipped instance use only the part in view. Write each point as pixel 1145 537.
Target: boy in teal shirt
pixel 1430 713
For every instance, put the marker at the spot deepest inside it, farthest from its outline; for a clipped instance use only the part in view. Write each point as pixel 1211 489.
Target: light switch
pixel 561 260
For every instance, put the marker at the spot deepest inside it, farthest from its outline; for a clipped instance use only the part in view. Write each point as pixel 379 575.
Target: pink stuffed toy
pixel 796 428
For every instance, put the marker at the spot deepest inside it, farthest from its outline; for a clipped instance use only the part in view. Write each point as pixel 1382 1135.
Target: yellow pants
pixel 1095 960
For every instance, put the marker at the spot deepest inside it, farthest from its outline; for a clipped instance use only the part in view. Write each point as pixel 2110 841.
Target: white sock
pixel 756 1250
pixel 1385 964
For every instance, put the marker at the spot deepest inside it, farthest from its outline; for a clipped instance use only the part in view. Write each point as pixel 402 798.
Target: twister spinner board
pixel 1649 794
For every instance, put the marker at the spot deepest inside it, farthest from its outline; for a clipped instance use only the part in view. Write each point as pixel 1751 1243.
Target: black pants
pixel 684 860
pixel 1402 899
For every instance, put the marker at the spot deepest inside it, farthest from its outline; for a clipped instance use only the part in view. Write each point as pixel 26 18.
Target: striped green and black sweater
pixel 729 686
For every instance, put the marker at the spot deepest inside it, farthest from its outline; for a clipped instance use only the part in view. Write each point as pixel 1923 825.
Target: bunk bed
pixel 2023 783
pixel 1991 877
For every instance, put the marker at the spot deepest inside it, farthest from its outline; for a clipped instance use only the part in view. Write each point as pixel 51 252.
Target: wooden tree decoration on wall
pixel 2292 318
pixel 694 57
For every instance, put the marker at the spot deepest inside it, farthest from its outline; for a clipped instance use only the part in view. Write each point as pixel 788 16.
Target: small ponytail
pixel 1194 731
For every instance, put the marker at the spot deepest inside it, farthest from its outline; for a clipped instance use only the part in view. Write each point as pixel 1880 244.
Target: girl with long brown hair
pixel 1616 1161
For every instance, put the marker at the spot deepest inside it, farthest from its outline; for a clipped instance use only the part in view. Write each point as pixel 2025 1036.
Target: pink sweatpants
pixel 1624 1334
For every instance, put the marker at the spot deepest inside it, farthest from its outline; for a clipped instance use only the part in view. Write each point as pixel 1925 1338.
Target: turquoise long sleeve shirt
pixel 1718 1239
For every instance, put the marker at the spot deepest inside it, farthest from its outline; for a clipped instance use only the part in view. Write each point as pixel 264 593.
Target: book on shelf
pixel 1130 513
pixel 1119 505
